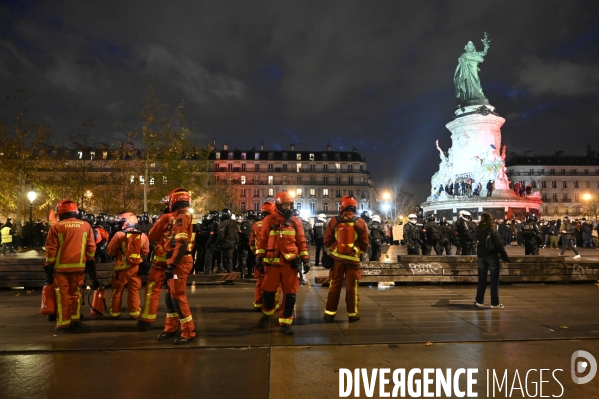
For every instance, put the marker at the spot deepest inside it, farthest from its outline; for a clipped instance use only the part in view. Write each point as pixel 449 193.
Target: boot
pixel 182 341
pixel 143 325
pixel 287 330
pixel 166 335
pixel 264 321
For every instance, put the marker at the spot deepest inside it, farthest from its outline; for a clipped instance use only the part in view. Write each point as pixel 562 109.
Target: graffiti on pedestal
pixel 425 268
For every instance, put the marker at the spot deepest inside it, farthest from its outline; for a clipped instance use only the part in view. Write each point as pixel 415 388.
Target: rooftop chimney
pixel 292 147
pixel 329 148
pixel 225 146
pixel 262 146
pixel 528 153
pixel 559 154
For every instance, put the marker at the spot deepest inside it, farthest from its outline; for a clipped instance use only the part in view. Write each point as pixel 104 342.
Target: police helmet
pixel 250 215
pixel 214 215
pixel 365 215
pixel 154 218
pixel 296 212
pixel 465 215
pixel 376 218
pixel 145 217
pixel 443 220
pixel 430 218
pixel 412 218
pixel 225 214
pixel 322 217
pixel 81 214
pixel 233 216
pixel 531 217
pixel 91 219
pixel 111 220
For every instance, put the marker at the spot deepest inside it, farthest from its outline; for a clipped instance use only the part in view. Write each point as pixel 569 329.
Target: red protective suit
pixel 64 245
pixel 345 265
pixel 125 274
pixel 279 244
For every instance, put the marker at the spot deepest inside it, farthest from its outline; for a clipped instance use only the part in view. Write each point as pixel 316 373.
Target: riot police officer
pixel 411 235
pixel 466 230
pixel 377 237
pixel 533 238
pixel 366 217
pixel 446 236
pixel 319 229
pixel 433 235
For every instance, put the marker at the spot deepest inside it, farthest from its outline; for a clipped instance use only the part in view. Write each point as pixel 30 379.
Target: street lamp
pixel 586 197
pixel 88 194
pixel 32 195
pixel 386 207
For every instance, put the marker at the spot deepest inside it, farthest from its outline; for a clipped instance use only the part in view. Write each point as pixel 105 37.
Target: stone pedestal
pixel 476 156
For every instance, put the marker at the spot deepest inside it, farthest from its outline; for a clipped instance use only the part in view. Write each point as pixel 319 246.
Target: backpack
pixel 132 248
pixel 433 231
pixel 377 233
pixel 246 231
pixel 346 235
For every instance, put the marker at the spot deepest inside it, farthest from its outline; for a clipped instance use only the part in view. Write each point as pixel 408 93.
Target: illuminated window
pixel 270 180
pixel 151 181
pixel 298 157
pixel 80 154
pixel 325 192
pixel 104 154
pixel 312 192
pixel 92 155
pixel 132 179
pixel 217 155
pixel 257 156
pixel 141 180
pixel 230 155
pixel 299 167
pixel 271 192
pixel 311 157
pixel 338 167
pixel 243 156
pixel 242 179
pixel 298 193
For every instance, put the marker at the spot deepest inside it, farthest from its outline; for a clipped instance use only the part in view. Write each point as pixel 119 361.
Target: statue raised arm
pixel 467 82
pixel 441 153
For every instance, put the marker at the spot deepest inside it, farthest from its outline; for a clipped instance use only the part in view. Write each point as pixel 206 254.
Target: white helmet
pixel 233 216
pixel 305 218
pixel 465 215
pixel 322 217
pixel 376 218
pixel 412 218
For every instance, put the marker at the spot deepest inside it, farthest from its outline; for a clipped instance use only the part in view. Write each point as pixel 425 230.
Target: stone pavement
pixel 540 327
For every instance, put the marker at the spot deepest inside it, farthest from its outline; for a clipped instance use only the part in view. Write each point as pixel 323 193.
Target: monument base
pixel 503 204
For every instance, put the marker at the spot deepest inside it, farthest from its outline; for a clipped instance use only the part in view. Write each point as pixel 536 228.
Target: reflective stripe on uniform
pixel 283 320
pixel 257 305
pixel 186 320
pixel 181 235
pixel 145 314
pixel 169 315
pixel 134 313
pixel 271 260
pixel 356 300
pixel 304 253
pixel 81 263
pixel 269 312
pixel 260 251
pixel 329 312
pixel 348 257
pixel 282 232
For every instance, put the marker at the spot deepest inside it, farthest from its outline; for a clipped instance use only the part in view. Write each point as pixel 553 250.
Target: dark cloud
pixel 373 75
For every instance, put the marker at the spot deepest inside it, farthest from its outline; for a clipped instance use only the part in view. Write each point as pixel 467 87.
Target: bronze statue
pixel 467 83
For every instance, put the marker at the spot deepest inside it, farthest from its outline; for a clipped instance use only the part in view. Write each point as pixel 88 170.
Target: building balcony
pixel 565 200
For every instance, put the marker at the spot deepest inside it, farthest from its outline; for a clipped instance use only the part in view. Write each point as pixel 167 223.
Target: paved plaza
pixel 407 326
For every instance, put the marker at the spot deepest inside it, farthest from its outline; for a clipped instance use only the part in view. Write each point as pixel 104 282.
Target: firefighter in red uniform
pixel 156 275
pixel 268 208
pixel 70 250
pixel 346 237
pixel 281 245
pixel 129 246
pixel 178 243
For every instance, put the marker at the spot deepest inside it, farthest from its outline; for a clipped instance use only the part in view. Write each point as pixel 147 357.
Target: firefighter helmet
pixel 269 208
pixel 179 198
pixel 128 221
pixel 66 209
pixel 349 204
pixel 284 198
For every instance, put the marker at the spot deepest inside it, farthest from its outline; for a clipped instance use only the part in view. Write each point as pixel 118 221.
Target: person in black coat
pixel 489 254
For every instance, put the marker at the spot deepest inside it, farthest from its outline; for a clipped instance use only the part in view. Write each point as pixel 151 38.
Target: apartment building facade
pixel 317 179
pixel 568 185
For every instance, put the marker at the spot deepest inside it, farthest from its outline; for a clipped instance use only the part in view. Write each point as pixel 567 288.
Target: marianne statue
pixel 467 83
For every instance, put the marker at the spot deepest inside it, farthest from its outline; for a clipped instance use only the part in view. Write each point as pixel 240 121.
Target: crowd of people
pixel 270 245
pixel 422 236
pixel 28 236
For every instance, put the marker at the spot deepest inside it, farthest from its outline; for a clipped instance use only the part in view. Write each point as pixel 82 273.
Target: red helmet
pixel 128 220
pixel 283 197
pixel 179 197
pixel 269 208
pixel 66 206
pixel 348 203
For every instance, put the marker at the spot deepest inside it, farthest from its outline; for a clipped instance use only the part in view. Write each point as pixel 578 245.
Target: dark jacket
pixel 482 230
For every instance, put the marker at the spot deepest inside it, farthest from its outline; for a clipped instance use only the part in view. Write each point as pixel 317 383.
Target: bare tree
pixel 396 200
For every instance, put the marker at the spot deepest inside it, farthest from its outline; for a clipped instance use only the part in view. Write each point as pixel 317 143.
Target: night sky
pixel 375 75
